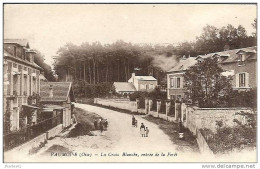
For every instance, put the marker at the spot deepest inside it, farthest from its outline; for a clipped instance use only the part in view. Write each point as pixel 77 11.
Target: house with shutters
pixel 21 80
pixel 175 79
pixel 240 64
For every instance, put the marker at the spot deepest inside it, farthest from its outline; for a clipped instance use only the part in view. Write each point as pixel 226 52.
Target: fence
pixel 23 135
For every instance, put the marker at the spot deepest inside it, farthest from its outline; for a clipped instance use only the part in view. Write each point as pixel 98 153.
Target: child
pixel 142 129
pixel 135 123
pixel 146 132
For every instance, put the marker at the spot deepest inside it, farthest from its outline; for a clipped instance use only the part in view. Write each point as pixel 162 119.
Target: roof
pixel 184 64
pixel 61 91
pixel 8 55
pixel 21 42
pixel 124 86
pixel 231 55
pixel 145 78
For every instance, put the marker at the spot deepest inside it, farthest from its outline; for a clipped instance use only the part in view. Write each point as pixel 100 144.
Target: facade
pixel 175 80
pixel 143 83
pixel 21 79
pixel 241 64
pixel 58 96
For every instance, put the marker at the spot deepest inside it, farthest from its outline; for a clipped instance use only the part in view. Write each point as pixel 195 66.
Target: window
pixel 151 86
pixel 175 82
pixel 242 80
pixel 241 57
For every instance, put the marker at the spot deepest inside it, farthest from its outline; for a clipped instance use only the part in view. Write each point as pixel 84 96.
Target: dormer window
pixel 241 57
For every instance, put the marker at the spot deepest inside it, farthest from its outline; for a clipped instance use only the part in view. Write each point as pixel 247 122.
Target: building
pixel 143 83
pixel 241 64
pixel 124 88
pixel 175 79
pixel 21 80
pixel 136 83
pixel 58 96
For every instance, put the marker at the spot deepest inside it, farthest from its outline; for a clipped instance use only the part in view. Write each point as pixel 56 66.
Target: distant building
pixel 58 95
pixel 241 64
pixel 143 83
pixel 124 88
pixel 21 80
pixel 136 83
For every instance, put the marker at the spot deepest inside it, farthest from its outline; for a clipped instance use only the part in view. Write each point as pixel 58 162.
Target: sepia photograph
pixel 89 82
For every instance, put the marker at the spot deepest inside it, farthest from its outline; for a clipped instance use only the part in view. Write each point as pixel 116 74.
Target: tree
pixel 39 60
pixel 205 84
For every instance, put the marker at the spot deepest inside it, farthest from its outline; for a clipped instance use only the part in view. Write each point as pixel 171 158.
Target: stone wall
pixel 199 118
pixel 54 131
pixel 203 145
pixel 34 143
pixel 118 103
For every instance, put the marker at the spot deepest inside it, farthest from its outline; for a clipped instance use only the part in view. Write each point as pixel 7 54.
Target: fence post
pixel 158 107
pixel 150 105
pixel 146 106
pixel 168 104
pixel 137 104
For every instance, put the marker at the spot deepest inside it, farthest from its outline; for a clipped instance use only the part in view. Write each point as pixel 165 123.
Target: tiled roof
pixel 60 91
pixel 184 64
pixel 21 42
pixel 124 86
pixel 231 55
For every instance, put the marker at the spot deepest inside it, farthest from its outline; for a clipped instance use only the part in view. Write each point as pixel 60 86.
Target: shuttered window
pixel 176 82
pixel 242 79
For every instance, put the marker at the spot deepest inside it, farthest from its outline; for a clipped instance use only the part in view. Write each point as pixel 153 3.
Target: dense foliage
pixel 48 73
pixel 206 85
pixel 227 139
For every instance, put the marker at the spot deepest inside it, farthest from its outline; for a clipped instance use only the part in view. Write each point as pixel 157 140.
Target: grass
pixel 187 144
pixel 85 124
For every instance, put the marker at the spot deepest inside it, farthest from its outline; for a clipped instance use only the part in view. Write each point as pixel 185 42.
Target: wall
pixel 203 145
pixel 26 147
pixel 199 118
pixel 54 131
pixel 118 103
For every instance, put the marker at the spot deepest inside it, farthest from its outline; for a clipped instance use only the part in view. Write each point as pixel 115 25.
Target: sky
pixel 47 27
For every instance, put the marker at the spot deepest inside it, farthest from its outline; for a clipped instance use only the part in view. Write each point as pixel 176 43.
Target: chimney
pixel 51 91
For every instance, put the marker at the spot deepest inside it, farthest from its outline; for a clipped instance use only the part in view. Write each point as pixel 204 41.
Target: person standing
pixel 101 127
pixel 95 124
pixel 146 132
pixel 142 129
pixel 133 121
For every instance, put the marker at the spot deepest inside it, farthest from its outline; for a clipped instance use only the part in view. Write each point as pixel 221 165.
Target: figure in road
pixel 95 124
pixel 101 127
pixel 142 129
pixel 146 132
pixel 133 121
pixel 136 123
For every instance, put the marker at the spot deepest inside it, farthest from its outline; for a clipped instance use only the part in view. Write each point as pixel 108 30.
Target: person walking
pixel 142 129
pixel 133 121
pixel 146 132
pixel 95 124
pixel 101 127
